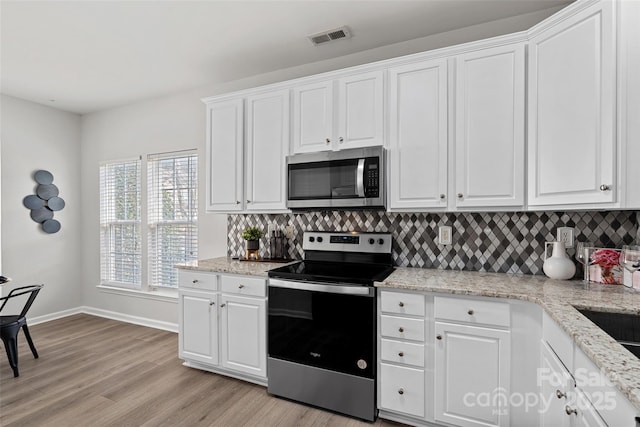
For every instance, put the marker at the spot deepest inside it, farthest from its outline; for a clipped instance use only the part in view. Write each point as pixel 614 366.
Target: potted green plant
pixel 252 235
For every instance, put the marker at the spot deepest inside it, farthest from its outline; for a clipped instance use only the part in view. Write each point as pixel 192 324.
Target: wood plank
pixel 100 372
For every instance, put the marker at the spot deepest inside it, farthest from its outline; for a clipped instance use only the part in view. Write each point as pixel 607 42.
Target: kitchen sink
pixel 624 328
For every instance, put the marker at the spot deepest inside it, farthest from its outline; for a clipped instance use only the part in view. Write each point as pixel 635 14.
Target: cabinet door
pixel 586 415
pixel 472 366
pixel 490 127
pixel 312 117
pixel 198 326
pixel 555 387
pixel 224 156
pixel 418 135
pixel 243 334
pixel 361 110
pixel 572 147
pixel 267 147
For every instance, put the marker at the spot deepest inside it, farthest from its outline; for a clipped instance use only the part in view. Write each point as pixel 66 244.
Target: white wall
pixel 38 137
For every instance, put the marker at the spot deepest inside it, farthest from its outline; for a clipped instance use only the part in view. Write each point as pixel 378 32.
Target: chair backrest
pixel 31 289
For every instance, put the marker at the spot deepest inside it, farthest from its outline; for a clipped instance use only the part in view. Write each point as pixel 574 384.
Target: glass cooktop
pixel 333 272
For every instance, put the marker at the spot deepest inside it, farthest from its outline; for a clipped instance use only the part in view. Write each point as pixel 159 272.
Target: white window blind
pixel 173 214
pixel 121 259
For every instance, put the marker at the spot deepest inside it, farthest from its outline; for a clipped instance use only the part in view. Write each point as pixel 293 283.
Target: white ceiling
pixel 88 56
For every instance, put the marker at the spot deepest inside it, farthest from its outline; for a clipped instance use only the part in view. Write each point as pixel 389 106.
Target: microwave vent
pixel 330 35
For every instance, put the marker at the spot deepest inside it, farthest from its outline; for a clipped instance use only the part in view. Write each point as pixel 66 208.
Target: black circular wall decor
pixel 45 202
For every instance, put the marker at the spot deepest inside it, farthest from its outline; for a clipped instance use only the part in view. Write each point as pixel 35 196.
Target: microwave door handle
pixel 360 178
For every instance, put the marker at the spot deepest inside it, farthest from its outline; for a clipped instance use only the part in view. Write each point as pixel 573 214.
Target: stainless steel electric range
pixel 322 322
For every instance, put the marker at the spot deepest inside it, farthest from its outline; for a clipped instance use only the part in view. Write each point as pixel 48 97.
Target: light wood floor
pixel 99 372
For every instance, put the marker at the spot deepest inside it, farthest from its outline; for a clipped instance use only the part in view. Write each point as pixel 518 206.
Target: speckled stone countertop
pixel 232 266
pixel 558 298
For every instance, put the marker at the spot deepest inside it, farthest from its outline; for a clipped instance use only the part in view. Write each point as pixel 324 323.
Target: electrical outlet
pixel 444 235
pixel 565 234
pixel 288 232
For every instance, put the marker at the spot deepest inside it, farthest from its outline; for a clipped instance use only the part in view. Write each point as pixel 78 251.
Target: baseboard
pixel 113 315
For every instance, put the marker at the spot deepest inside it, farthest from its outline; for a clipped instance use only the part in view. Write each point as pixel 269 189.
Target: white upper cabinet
pixel 354 118
pixel 224 151
pixel 312 117
pixel 267 146
pixel 418 135
pixel 361 110
pixel 489 123
pixel 571 114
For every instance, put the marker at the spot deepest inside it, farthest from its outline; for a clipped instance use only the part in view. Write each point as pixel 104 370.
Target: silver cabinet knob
pixel 442 196
pixel 569 410
pixel 237 202
pixel 401 304
pixel 341 139
pixel 222 305
pixel 438 337
pixel 470 312
pixel 194 281
pixel 328 141
pixel 401 354
pixel 460 196
pixel 560 394
pixel 605 187
pixel 240 286
pixel 212 303
pixel 400 329
pixel 401 391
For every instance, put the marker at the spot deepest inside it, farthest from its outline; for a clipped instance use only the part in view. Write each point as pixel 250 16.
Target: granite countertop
pixel 558 298
pixel 232 266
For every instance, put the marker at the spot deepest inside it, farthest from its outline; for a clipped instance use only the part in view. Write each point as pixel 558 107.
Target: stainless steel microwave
pixel 352 178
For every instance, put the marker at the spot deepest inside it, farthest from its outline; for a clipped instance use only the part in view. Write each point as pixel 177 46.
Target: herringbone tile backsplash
pixel 507 242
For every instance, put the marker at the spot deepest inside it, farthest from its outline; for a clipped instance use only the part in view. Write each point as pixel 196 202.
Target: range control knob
pixel 380 241
pixel 371 241
pixel 319 239
pixel 312 239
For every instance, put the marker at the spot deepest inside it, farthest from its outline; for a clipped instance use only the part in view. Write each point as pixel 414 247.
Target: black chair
pixel 10 325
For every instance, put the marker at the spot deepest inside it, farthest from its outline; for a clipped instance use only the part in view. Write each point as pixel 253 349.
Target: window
pixel 121 257
pixel 166 220
pixel 172 215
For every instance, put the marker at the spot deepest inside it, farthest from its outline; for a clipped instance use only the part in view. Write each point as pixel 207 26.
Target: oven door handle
pixel 366 291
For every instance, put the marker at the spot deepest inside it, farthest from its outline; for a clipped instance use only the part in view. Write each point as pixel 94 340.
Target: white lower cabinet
pixel 472 375
pixel 556 384
pixel 243 345
pixel 403 389
pixel 223 332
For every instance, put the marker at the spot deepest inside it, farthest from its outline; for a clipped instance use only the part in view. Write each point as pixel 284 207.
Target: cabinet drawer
pixel 243 285
pixel 197 280
pixel 472 311
pixel 402 327
pixel 402 303
pixel 402 390
pixel 402 352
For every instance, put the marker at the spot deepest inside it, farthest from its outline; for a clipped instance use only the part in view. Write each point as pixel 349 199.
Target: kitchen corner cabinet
pixel 418 143
pixel 222 324
pixel 224 156
pixel 490 131
pixel 572 109
pixel 267 137
pixel 472 362
pixel 347 112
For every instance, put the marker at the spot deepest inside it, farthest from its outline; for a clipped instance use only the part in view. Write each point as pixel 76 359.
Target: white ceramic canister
pixel 558 265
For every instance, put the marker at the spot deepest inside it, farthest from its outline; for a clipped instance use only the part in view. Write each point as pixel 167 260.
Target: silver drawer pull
pixel 569 410
pixel 438 337
pixel 401 354
pixel 470 312
pixel 194 281
pixel 240 286
pixel 212 303
pixel 604 187
pixel 560 394
pixel 401 391
pixel 401 304
pixel 400 329
pixel 222 305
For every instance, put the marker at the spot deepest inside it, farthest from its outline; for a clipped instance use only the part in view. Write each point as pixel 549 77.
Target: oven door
pixel 342 179
pixel 323 325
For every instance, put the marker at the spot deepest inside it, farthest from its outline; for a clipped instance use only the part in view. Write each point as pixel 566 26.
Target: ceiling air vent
pixel 329 36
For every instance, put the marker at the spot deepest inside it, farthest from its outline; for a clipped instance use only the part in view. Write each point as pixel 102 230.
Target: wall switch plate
pixel 565 234
pixel 444 235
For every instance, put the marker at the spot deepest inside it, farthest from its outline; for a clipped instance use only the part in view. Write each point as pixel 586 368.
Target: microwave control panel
pixel 371 177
